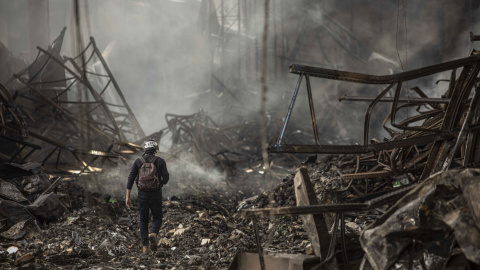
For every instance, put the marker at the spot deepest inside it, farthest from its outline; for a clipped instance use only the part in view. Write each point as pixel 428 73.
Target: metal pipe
pixel 463 132
pixel 331 248
pixel 369 112
pixel 259 244
pixel 289 112
pixel 404 124
pixel 359 149
pixel 400 100
pixel 451 84
pixel 312 110
pixel 383 79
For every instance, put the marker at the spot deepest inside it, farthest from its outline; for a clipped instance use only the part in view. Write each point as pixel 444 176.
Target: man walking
pixel 152 175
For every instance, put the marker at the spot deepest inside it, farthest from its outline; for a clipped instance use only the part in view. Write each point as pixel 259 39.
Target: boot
pixel 153 241
pixel 145 250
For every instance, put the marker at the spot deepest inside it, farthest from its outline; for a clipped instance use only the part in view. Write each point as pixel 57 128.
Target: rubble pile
pixel 433 224
pixel 378 183
pixel 203 230
pixel 206 229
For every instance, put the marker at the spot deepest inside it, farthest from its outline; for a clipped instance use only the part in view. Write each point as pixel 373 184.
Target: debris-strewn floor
pixel 202 230
pixel 206 227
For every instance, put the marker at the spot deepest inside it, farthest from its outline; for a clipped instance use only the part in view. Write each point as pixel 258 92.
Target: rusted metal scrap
pixel 440 136
pixel 68 113
pixel 232 148
pixel 436 138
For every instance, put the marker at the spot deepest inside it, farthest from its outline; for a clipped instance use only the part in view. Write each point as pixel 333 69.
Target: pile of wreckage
pixel 67 114
pixel 64 121
pixel 414 195
pixel 407 202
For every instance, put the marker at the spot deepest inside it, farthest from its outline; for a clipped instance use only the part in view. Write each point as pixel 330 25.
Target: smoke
pixel 164 52
pixel 185 177
pixel 163 55
pixel 112 181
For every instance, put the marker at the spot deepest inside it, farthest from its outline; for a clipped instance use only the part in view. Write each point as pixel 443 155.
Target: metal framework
pixel 438 132
pixel 73 109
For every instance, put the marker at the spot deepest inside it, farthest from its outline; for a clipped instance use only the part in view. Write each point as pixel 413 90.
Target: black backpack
pixel 148 175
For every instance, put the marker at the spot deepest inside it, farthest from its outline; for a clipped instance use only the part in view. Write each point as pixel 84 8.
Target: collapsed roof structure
pixel 67 113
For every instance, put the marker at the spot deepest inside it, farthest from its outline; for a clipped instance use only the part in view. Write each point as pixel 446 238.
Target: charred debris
pixel 415 185
pixel 409 201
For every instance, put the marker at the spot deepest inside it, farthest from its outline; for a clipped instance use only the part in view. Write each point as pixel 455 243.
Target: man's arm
pixel 131 179
pixel 133 174
pixel 163 172
pixel 128 201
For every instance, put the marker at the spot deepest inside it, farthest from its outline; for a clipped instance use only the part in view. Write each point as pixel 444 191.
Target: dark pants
pixel 149 201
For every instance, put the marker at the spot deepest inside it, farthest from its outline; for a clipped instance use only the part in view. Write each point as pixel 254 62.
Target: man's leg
pixel 156 209
pixel 143 210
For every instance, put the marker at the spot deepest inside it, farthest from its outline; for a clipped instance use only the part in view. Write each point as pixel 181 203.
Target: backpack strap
pixel 142 160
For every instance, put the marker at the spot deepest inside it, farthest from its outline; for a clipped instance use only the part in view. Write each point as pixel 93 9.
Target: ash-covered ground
pixel 205 227
pixel 202 229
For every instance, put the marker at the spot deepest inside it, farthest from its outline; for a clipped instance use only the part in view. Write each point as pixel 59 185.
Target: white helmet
pixel 150 146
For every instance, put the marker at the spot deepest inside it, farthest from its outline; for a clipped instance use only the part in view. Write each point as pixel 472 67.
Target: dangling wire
pixel 405 42
pixel 406 34
pixel 396 36
pixel 404 6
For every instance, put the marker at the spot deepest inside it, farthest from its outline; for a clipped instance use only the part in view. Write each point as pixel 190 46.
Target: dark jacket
pixel 159 164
